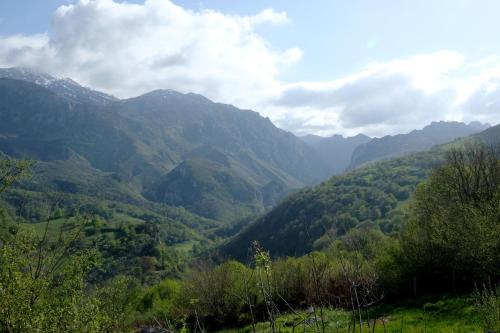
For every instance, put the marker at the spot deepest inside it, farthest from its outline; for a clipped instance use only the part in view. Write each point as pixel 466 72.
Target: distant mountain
pixel 418 140
pixel 67 88
pixel 336 150
pixel 312 139
pixel 178 149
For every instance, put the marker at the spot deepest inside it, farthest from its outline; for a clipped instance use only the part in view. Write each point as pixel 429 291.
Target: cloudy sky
pixel 324 66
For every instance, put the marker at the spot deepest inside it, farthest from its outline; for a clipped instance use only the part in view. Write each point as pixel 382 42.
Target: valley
pixel 200 216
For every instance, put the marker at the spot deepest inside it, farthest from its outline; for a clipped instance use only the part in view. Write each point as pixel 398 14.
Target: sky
pixel 313 67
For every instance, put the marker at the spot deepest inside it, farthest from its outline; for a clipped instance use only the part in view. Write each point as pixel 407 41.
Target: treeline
pixel 211 297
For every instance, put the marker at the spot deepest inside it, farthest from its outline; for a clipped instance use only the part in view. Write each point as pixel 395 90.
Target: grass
pixel 54 228
pixel 437 315
pixel 185 247
pixel 69 226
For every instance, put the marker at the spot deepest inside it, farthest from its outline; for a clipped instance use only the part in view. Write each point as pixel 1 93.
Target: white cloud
pixel 127 49
pixel 20 49
pixel 392 97
pixel 269 16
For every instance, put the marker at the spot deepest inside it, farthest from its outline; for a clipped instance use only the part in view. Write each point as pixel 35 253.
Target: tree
pixel 265 283
pixel 11 171
pixel 42 280
pixel 455 224
pixel 42 287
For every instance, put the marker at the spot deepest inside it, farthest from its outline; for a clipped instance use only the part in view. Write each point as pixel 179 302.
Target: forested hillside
pixel 371 196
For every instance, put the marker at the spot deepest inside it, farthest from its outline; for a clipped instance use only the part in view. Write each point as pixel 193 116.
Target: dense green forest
pixel 83 272
pixel 375 195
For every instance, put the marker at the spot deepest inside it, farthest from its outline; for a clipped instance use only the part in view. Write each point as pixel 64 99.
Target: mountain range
pixel 193 165
pixel 167 147
pixel 433 134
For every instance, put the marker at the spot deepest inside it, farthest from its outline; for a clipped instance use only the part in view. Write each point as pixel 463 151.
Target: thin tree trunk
pixel 359 311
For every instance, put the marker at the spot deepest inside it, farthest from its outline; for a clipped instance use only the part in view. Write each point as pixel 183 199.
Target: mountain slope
pixel 208 188
pixel 490 136
pixel 213 184
pixel 78 147
pixel 36 123
pixel 188 121
pixel 336 150
pixel 308 219
pixel 418 140
pixel 170 129
pixel 138 143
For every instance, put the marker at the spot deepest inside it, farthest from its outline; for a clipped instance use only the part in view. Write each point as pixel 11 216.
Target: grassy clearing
pixel 54 227
pixel 443 315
